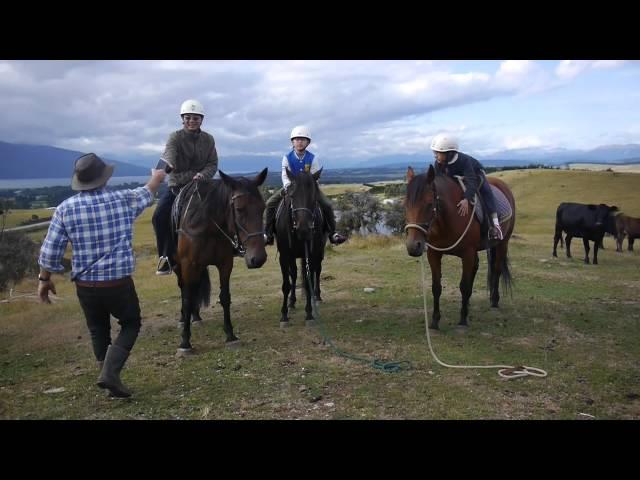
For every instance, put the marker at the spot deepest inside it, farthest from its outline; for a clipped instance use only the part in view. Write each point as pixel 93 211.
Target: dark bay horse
pixel 300 234
pixel 215 220
pixel 433 221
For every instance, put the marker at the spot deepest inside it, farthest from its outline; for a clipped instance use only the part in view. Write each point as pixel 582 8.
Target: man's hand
pixel 463 207
pixel 198 176
pixel 157 177
pixel 43 290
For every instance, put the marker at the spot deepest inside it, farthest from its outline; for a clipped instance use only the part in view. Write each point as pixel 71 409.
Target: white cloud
pixel 568 69
pixel 151 147
pixel 353 107
pixel 525 141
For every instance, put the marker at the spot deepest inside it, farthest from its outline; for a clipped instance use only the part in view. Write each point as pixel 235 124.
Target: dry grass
pixel 579 322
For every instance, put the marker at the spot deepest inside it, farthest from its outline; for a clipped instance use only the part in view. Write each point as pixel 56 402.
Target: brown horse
pixel 433 221
pixel 216 220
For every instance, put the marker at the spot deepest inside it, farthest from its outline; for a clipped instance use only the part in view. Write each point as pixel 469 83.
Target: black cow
pixel 589 222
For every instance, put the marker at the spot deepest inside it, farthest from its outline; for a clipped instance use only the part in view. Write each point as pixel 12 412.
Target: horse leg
pixel 196 319
pixel 185 322
pixel 435 262
pixel 293 273
pixel 285 269
pixel 318 270
pixel 567 241
pixel 629 243
pixel 585 241
pixel 306 278
pixel 466 284
pixel 224 272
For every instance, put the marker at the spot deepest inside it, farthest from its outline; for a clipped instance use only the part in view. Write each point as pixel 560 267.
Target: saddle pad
pixel 502 203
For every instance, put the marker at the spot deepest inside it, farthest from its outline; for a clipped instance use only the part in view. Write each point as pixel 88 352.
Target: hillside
pixel 578 322
pixel 41 161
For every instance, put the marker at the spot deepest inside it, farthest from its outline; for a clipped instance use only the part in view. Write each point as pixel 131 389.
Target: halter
pixel 421 226
pixel 425 227
pixel 294 224
pixel 237 243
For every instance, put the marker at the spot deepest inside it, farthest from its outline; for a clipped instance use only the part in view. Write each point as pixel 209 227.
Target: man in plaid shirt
pixel 99 225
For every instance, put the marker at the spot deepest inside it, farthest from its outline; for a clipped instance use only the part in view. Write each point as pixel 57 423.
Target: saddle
pixel 502 204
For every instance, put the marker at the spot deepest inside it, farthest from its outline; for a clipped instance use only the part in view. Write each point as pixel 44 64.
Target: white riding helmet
pixel 444 142
pixel 300 131
pixel 191 106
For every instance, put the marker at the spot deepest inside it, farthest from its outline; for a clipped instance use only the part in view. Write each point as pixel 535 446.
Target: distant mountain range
pixel 40 161
pixel 18 161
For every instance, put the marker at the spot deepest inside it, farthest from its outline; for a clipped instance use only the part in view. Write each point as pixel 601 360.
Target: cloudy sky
pixel 355 109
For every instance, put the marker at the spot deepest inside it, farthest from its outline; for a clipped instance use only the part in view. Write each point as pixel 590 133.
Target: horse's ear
pixel 316 175
pixel 410 174
pixel 259 180
pixel 431 173
pixel 226 179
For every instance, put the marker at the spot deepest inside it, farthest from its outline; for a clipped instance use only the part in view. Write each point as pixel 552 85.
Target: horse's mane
pixel 418 186
pixel 215 195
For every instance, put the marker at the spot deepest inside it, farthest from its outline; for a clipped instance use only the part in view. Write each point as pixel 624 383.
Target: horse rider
pixel 451 161
pixel 191 153
pixel 297 160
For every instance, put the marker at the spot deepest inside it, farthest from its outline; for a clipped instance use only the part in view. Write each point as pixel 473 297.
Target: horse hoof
pixel 462 328
pixel 434 327
pixel 310 323
pixel 233 344
pixel 284 324
pixel 180 325
pixel 318 299
pixel 197 323
pixel 292 306
pixel 184 352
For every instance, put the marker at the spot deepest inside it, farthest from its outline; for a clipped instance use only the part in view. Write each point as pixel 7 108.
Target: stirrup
pixel 164 266
pixel 495 233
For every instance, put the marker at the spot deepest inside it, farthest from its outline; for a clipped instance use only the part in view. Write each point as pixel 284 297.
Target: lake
pixel 55 182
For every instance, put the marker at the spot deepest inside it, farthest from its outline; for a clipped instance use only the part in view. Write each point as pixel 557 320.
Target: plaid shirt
pixel 99 224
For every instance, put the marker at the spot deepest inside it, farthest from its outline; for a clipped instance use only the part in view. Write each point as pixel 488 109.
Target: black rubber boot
pixel 110 375
pixel 337 239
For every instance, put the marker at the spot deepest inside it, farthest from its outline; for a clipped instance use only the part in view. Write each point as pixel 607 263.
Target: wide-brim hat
pixel 90 172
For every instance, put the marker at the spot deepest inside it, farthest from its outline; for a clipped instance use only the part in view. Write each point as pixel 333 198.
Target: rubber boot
pixel 110 375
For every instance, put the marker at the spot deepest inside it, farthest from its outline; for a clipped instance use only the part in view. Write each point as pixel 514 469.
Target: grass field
pixel 581 323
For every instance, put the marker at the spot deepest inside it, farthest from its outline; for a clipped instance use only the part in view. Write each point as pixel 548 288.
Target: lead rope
pixel 387 367
pixel 506 371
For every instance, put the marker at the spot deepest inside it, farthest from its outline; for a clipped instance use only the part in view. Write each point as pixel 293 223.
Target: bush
pixel 18 258
pixel 358 211
pixel 394 217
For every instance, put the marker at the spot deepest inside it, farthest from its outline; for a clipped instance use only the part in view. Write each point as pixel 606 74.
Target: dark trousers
pixel 489 200
pixel 162 223
pixel 99 303
pixel 274 201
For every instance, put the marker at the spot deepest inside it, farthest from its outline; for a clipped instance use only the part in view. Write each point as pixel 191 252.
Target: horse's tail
pixel 203 296
pixel 507 279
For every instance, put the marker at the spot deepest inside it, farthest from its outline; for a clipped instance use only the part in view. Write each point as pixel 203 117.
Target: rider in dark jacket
pixel 452 162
